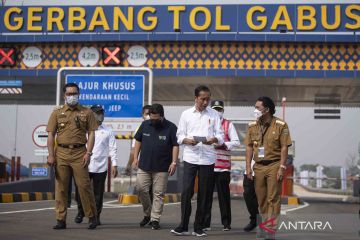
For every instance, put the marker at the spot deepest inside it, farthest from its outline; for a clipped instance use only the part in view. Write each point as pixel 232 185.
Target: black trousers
pixel 205 192
pixel 221 181
pixel 98 180
pixel 250 198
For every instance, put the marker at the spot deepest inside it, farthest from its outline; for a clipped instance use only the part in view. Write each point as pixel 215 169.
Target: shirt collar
pixel 268 123
pixel 66 107
pixel 194 110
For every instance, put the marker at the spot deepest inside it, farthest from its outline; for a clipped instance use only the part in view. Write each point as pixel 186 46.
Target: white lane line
pixel 72 208
pixel 24 211
pixel 111 201
pixel 283 212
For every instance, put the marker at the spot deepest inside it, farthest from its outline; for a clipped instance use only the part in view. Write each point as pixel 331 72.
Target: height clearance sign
pixel 122 96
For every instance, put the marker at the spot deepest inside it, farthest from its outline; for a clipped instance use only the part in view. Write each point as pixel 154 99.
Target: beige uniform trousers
pixel 68 163
pixel 268 192
pixel 158 180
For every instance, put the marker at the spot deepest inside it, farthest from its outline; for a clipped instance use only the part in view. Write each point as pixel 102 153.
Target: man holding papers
pixel 199 128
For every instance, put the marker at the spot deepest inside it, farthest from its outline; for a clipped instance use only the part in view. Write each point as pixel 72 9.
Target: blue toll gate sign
pixel 122 96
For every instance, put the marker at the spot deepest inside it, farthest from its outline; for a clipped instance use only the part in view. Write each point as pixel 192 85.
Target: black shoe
pixel 226 228
pixel 251 226
pixel 199 233
pixel 155 225
pixel 145 221
pixel 98 220
pixel 79 218
pixel 60 225
pixel 92 223
pixel 180 231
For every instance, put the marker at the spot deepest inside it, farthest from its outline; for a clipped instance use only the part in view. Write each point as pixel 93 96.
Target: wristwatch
pixel 283 167
pixel 90 153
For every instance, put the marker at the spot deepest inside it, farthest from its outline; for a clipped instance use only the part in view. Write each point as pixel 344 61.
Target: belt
pixel 71 146
pixel 267 162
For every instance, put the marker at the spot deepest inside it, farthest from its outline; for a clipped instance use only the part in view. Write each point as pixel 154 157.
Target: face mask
pixel 257 114
pixel 156 123
pixel 99 118
pixel 72 100
pixel 146 117
pixel 221 114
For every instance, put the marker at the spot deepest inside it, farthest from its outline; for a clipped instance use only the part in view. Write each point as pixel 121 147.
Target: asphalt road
pixel 34 221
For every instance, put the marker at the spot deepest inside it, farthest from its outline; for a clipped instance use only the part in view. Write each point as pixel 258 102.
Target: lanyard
pixel 263 132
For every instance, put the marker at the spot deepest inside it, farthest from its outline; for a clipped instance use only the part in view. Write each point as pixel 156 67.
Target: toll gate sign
pixel 122 96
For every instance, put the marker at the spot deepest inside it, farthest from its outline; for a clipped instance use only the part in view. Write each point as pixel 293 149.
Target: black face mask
pixel 156 123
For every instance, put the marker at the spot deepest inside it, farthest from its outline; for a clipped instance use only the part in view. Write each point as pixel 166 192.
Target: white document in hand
pixel 200 139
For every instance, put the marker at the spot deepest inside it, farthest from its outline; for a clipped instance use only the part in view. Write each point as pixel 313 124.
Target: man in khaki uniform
pixel 70 124
pixel 267 141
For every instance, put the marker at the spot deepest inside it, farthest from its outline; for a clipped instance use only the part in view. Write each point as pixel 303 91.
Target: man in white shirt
pixel 105 146
pixel 199 128
pixel 223 167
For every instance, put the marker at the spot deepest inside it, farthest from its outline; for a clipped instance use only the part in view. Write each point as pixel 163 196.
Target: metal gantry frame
pixel 138 69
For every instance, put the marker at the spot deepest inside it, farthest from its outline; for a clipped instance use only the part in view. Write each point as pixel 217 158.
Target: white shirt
pixel 105 145
pixel 234 138
pixel 203 124
pixel 230 145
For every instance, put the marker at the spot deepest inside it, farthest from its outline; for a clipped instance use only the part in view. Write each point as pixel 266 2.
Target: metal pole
pixel 150 72
pixel 12 170
pixel 18 168
pixel 283 103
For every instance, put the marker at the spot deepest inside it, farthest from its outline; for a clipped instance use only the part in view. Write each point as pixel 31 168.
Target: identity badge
pixel 261 152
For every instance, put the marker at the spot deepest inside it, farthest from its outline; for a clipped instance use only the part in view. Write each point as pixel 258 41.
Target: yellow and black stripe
pixel 133 199
pixel 291 200
pixel 127 136
pixel 26 196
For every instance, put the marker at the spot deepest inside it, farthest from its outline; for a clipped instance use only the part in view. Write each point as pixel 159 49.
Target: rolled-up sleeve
pixel 219 133
pixel 112 149
pixel 234 138
pixel 181 131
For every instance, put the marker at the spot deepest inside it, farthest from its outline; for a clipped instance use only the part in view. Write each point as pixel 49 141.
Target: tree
pixel 352 164
pixel 309 167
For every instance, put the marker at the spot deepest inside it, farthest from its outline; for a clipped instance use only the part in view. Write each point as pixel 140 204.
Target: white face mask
pixel 146 117
pixel 72 100
pixel 221 115
pixel 257 114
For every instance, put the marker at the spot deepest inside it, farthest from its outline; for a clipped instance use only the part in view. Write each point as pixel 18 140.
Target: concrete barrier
pixel 133 199
pixel 26 196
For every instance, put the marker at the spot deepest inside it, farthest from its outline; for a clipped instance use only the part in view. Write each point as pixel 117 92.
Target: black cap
pixel 97 108
pixel 217 104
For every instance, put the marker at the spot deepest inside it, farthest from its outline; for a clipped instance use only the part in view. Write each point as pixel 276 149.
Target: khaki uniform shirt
pixel 276 136
pixel 71 126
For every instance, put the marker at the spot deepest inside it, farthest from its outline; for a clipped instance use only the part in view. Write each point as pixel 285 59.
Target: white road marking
pixel 108 205
pixel 283 212
pixel 24 211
